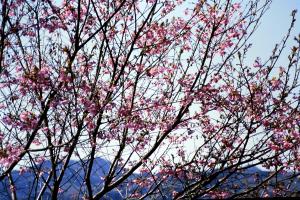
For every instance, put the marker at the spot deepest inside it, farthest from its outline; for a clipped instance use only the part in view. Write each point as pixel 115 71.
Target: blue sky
pixel 274 27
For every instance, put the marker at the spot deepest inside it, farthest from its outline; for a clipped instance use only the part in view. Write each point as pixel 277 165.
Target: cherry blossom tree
pixel 162 89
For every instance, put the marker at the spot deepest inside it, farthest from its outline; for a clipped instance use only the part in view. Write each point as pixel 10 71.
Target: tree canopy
pixel 161 90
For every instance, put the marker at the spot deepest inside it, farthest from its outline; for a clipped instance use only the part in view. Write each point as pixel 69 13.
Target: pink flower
pixel 236 6
pixel 9 155
pixel 44 72
pixel 7 120
pixel 287 145
pixel 25 116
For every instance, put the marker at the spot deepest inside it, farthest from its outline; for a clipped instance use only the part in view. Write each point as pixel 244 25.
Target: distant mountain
pixel 27 187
